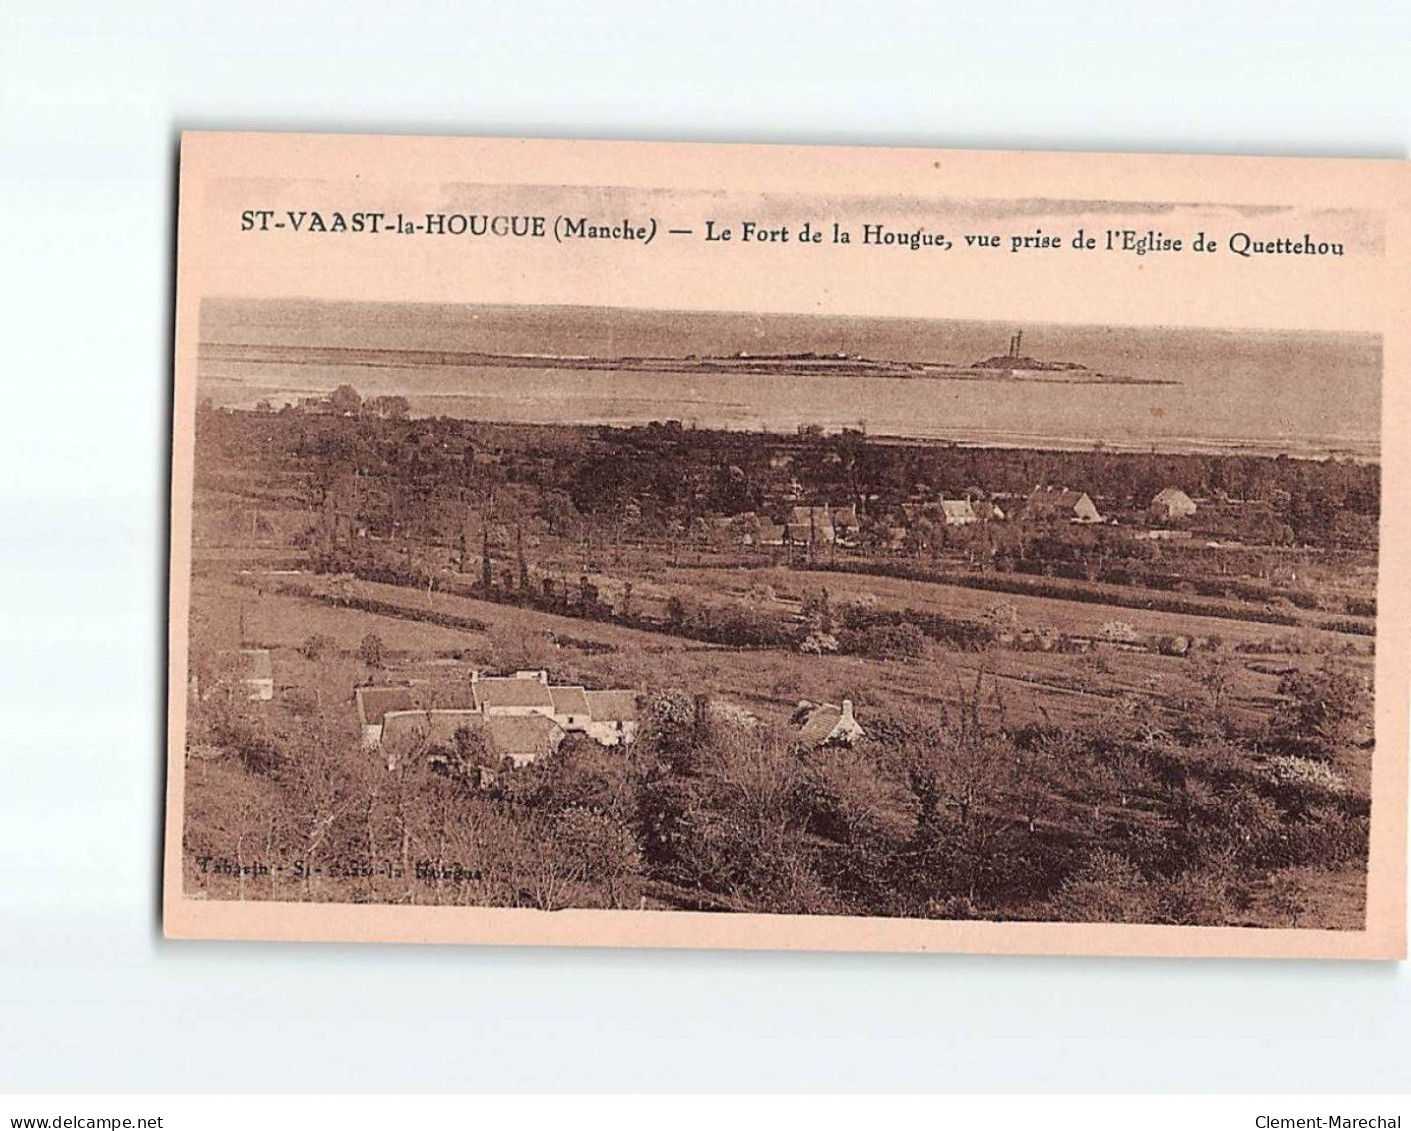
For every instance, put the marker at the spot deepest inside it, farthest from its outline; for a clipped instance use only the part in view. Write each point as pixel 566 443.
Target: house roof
pixel 957 508
pixel 820 515
pixel 771 531
pixel 1049 500
pixel 523 737
pixel 612 706
pixel 1172 495
pixel 511 691
pixel 410 729
pixel 1054 496
pixel 569 701
pixel 821 723
pixel 375 702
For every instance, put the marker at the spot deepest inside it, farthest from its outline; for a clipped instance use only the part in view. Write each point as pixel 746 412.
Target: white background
pixel 91 99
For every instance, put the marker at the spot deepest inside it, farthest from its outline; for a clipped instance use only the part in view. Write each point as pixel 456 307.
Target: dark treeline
pixel 661 477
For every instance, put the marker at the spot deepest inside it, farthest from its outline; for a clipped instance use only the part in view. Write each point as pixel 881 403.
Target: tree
pixel 1325 710
pixel 371 651
pixel 346 400
pixel 394 408
pixel 818 612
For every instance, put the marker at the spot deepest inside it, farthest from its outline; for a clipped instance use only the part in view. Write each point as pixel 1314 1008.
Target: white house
pixel 1047 503
pixel 571 710
pixel 828 724
pixel 1171 503
pixel 613 717
pixel 957 512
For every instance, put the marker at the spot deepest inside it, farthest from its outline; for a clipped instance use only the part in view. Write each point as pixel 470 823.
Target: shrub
pixel 819 643
pixel 1305 773
pixel 1362 606
pixel 1199 899
pixel 1118 632
pixel 1173 645
pixel 1002 615
pixel 370 649
pixel 1326 835
pixel 316 646
pixel 1324 710
pixel 886 642
pixel 1107 888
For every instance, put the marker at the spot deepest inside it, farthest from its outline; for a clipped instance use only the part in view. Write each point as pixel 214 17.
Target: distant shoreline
pixel 761 364
pixel 1357 452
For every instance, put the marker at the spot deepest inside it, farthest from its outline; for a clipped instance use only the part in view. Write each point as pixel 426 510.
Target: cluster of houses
pixel 826 526
pixel 522 716
pixel 805 525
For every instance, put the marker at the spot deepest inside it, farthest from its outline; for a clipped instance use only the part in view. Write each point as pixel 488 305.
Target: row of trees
pixel 665 478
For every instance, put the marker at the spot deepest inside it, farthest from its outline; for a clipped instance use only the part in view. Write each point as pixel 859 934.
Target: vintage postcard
pixel 624 544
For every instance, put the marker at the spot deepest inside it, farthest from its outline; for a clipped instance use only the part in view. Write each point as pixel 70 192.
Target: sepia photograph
pixel 847 562
pixel 981 569
pixel 576 607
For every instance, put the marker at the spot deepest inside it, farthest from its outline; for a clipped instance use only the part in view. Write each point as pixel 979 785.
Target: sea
pixel 1259 392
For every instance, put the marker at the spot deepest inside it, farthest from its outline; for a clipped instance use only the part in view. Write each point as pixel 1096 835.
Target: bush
pixel 316 646
pixel 1108 888
pixel 1173 645
pixel 1118 632
pixel 1001 615
pixel 819 643
pixel 1362 606
pixel 371 650
pixel 1196 899
pixel 1305 774
pixel 885 642
pixel 1325 709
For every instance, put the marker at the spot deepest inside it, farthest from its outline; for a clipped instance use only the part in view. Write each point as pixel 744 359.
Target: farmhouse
pixel 771 533
pixel 846 525
pixel 1049 504
pixel 811 525
pixel 1171 503
pixel 612 717
pixel 828 724
pixel 406 732
pixel 520 738
pixel 522 715
pixel 374 703
pixel 957 512
pixel 524 693
pixel 571 710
